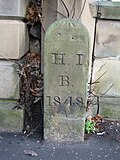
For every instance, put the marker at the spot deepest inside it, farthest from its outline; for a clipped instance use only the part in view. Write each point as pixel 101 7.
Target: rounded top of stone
pixel 67 24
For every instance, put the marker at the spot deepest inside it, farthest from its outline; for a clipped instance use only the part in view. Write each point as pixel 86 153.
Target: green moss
pixel 112 112
pixel 10 119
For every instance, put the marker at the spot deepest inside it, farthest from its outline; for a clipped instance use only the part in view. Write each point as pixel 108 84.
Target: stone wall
pixel 14 43
pixel 106 84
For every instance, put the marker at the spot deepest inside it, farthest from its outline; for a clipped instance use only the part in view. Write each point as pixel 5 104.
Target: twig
pixel 73 9
pixel 68 14
pixel 82 10
pixel 39 15
pixel 99 78
pixel 34 129
pixel 108 89
pixel 73 13
pixel 22 73
pixel 104 92
pixel 102 67
pixel 91 102
pixel 98 104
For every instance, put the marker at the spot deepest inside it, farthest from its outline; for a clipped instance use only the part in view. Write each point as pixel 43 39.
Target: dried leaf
pixel 97 118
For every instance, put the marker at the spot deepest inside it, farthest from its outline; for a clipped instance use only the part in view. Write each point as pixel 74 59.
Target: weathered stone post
pixel 66 56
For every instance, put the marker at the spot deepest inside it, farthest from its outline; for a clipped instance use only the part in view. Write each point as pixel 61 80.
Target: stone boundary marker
pixel 66 63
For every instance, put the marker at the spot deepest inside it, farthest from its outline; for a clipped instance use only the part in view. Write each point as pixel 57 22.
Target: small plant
pixel 89 126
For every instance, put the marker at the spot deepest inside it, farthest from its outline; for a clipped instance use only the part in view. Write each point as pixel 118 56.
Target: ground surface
pixel 15 146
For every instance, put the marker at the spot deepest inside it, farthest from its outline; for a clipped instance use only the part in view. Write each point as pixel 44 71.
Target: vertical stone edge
pixel 81 119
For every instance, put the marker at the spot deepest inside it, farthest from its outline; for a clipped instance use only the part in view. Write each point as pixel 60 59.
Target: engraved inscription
pixel 58 58
pixel 48 100
pixel 79 59
pixel 57 101
pixel 70 101
pixel 64 80
pixel 61 59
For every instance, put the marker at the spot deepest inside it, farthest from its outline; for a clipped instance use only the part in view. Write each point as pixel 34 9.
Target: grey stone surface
pixel 107 39
pixel 10 120
pixel 9 80
pixel 66 55
pixel 109 107
pixel 107 9
pixel 14 39
pixel 13 8
pixel 106 77
pixel 106 84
